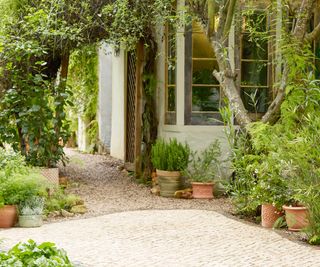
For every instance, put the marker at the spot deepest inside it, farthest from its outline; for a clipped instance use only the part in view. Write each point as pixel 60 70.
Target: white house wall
pixel 105 96
pixel 117 144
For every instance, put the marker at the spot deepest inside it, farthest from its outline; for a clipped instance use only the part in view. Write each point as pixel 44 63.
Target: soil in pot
pixel 202 190
pixel 296 217
pixel 269 215
pixel 169 182
pixel 30 221
pixel 8 216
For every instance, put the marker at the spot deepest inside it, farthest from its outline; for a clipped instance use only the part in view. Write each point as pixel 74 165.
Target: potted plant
pixel 169 159
pixel 18 182
pixel 31 211
pixel 302 181
pixel 203 170
pixel 271 189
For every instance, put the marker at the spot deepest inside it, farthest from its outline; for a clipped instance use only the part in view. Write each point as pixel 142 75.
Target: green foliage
pixel 170 156
pixel 83 79
pixel 30 254
pixel 18 182
pixel 205 166
pixel 61 200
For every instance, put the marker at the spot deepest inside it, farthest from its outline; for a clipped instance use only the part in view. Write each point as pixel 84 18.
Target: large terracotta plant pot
pixel 169 182
pixel 30 220
pixel 296 217
pixel 8 216
pixel 269 215
pixel 202 190
pixel 52 175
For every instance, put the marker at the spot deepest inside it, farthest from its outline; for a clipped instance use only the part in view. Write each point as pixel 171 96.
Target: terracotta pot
pixel 8 216
pixel 296 217
pixel 169 182
pixel 202 190
pixel 52 175
pixel 269 215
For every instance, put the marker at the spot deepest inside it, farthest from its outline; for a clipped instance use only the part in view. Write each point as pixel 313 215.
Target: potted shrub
pixel 169 159
pixel 271 189
pixel 303 182
pixel 203 169
pixel 31 211
pixel 18 183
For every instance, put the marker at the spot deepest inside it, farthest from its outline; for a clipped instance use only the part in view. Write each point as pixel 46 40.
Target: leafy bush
pixel 170 156
pixel 205 166
pixel 18 182
pixel 19 187
pixel 60 200
pixel 30 254
pixel 11 162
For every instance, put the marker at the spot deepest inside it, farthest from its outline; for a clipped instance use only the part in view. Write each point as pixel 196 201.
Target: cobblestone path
pixel 168 238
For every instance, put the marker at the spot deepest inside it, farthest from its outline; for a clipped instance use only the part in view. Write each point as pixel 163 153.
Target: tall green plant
pixel 170 156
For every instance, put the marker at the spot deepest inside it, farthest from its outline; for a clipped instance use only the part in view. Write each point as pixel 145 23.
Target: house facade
pixel 188 97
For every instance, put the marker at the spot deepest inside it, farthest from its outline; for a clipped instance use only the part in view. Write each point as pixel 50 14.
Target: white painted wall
pixel 82 134
pixel 118 125
pixel 105 96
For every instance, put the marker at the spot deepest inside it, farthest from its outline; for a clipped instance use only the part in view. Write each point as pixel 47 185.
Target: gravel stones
pixel 106 187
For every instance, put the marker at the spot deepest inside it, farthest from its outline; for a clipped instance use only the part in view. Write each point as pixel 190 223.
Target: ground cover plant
pixel 30 254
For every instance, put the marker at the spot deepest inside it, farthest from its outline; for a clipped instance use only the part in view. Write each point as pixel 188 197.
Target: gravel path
pixel 106 188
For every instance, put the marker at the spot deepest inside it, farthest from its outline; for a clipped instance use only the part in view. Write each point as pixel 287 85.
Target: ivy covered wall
pixel 83 80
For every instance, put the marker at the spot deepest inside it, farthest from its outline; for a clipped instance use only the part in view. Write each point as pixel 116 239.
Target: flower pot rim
pixel 285 207
pixel 202 183
pixel 166 172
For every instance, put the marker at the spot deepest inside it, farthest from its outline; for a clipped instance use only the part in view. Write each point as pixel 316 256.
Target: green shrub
pixel 170 156
pixel 19 187
pixel 205 166
pixel 60 200
pixel 30 254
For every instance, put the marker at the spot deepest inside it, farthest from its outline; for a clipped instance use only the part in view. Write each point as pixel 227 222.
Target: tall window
pixel 202 90
pixel 170 103
pixel 255 71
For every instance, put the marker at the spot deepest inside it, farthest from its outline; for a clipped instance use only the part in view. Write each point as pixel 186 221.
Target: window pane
pixel 202 72
pixel 255 21
pixel 206 119
pixel 171 72
pixel 205 98
pixel 171 98
pixel 254 73
pixel 170 118
pixel 254 49
pixel 201 44
pixel 255 99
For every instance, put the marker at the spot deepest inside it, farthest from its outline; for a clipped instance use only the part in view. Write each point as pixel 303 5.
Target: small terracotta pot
pixel 202 190
pixel 8 216
pixel 296 217
pixel 269 215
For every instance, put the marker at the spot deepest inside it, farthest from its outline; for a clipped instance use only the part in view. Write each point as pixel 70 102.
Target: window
pixel 202 90
pixel 255 70
pixel 170 94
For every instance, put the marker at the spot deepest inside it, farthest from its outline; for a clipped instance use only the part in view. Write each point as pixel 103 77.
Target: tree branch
pixel 229 19
pixel 314 34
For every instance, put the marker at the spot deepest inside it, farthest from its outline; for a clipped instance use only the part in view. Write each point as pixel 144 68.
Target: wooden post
pixel 138 110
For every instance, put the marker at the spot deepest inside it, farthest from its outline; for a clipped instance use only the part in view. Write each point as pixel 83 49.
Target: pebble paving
pixel 168 238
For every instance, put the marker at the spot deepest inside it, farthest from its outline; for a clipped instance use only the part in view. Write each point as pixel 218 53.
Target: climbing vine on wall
pixel 83 79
